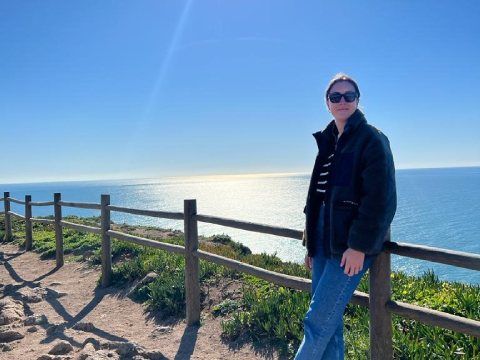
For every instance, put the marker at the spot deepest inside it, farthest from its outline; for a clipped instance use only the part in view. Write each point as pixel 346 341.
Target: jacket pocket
pixel 346 205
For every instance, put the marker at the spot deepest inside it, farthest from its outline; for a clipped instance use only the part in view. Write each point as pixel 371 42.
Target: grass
pixel 267 312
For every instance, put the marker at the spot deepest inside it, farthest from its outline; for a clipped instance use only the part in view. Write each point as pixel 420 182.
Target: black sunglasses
pixel 349 97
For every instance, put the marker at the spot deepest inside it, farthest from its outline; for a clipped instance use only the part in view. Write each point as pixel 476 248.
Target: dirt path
pixel 75 309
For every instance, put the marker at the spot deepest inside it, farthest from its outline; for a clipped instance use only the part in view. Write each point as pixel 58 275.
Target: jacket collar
pixel 331 131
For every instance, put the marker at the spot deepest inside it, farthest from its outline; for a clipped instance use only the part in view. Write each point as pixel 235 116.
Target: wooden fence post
pixel 57 208
pixel 106 241
pixel 192 277
pixel 8 218
pixel 28 223
pixel 381 337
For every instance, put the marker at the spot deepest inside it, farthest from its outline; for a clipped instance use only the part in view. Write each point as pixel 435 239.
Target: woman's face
pixel 342 110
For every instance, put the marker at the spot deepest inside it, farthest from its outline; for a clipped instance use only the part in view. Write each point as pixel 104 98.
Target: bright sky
pixel 128 89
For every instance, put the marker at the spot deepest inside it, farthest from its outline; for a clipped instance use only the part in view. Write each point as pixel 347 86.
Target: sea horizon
pixel 209 175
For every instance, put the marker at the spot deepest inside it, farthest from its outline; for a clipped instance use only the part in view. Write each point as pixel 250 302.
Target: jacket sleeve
pixel 378 201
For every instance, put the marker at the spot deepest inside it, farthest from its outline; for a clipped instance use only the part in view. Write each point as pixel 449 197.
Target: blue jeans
pixel 331 292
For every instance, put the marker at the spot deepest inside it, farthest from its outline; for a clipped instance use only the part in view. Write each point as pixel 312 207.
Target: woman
pixel 350 204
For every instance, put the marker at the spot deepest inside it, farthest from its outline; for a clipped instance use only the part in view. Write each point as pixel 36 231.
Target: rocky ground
pixel 48 313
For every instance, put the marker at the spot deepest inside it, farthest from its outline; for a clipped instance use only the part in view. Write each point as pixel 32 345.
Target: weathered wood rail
pixel 379 300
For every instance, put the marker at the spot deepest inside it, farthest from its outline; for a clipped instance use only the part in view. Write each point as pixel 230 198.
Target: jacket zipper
pixel 327 197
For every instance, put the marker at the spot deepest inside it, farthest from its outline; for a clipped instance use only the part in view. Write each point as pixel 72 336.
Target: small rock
pixel 52 329
pixel 35 320
pixel 102 355
pixel 89 347
pixel 55 283
pixel 10 335
pixel 123 349
pixel 150 277
pixel 32 298
pixel 87 352
pixel 55 294
pixel 153 355
pixel 160 330
pixel 32 295
pixel 84 326
pixel 45 357
pixel 32 329
pixel 87 255
pixel 163 329
pixel 11 311
pixel 61 348
pixel 5 347
pixel 95 343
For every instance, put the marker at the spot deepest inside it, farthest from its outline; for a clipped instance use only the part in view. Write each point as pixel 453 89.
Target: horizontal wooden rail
pixel 79 227
pixel 435 318
pixel 81 205
pixel 43 221
pixel 360 298
pixel 249 226
pixel 158 214
pixel 41 203
pixel 444 256
pixel 21 202
pixel 294 282
pixel 146 242
pixel 16 215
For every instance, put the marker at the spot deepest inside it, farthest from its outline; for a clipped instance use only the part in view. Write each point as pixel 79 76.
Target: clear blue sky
pixel 125 89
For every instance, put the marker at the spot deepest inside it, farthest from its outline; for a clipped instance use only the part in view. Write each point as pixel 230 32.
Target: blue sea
pixel 436 207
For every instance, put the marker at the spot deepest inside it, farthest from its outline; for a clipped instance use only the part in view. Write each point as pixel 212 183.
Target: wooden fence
pixel 379 300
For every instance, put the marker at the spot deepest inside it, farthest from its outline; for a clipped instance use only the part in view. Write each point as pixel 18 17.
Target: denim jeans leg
pixel 335 348
pixel 318 267
pixel 319 260
pixel 325 314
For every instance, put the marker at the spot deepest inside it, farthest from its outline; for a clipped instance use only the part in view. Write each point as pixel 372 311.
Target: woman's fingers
pixel 353 261
pixel 308 262
pixel 351 269
pixel 343 260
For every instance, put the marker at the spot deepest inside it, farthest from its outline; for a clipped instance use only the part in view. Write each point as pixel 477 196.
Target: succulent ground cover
pixel 264 312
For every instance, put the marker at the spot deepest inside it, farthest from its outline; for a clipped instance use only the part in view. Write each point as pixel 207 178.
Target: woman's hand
pixel 353 261
pixel 308 262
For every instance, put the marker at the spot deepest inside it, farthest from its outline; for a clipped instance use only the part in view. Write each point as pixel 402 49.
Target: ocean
pixel 436 207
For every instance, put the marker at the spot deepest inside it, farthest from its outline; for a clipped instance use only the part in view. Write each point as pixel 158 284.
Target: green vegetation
pixel 266 312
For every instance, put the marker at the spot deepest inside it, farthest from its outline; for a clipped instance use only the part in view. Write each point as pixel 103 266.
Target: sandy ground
pixel 69 296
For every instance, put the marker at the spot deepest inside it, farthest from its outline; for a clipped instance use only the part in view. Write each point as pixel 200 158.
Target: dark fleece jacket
pixel 361 197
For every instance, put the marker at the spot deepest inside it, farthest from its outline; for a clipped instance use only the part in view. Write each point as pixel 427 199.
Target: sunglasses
pixel 349 97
